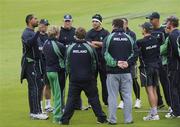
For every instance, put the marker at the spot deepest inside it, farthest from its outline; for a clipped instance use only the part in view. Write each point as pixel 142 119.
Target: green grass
pixel 13 96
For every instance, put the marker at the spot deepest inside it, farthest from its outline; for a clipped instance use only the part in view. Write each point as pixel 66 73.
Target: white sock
pixel 48 103
pixel 154 111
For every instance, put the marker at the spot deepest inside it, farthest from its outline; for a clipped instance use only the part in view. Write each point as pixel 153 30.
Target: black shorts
pixel 149 76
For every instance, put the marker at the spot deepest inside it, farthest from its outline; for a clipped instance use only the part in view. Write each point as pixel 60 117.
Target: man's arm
pixel 163 47
pixel 30 39
pixel 94 44
pixel 99 44
pixel 91 44
pixel 134 55
pixel 104 46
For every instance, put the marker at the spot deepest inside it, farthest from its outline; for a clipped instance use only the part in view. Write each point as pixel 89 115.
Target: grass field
pixel 13 96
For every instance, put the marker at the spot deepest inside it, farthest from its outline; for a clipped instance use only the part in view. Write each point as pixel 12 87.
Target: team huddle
pixel 53 55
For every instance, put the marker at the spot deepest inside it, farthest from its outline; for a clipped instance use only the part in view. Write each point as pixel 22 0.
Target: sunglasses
pixel 67 21
pixel 94 21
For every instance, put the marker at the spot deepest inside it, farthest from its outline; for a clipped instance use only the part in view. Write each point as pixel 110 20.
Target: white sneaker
pixel 39 116
pixel 151 117
pixel 171 115
pixel 33 116
pixel 42 116
pixel 137 103
pixel 121 105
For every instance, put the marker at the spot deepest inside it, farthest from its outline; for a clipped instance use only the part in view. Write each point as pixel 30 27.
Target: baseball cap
pixel 147 26
pixel 97 17
pixel 44 21
pixel 67 17
pixel 154 15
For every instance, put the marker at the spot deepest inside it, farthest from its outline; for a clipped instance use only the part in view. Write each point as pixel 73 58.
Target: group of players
pixel 51 55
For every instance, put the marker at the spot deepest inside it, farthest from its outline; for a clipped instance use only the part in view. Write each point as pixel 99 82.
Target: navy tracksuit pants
pixel 165 83
pixel 91 91
pixel 175 91
pixel 35 86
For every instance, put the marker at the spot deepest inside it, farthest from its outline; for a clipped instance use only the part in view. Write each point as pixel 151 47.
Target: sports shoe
pixel 39 116
pixel 121 105
pixel 131 122
pixel 171 115
pixel 151 117
pixel 102 121
pixel 110 123
pixel 137 104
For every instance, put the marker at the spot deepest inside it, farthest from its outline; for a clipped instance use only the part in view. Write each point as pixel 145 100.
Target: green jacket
pixel 163 51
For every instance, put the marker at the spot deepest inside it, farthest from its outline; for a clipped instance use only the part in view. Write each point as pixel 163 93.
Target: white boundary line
pixel 148 111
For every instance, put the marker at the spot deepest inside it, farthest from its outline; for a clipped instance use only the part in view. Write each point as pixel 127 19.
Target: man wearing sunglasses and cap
pixel 67 31
pixel 66 37
pixel 43 37
pixel 159 32
pixel 96 36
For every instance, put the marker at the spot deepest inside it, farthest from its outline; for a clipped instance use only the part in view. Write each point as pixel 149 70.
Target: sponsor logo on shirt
pixel 79 51
pixel 151 47
pixel 120 39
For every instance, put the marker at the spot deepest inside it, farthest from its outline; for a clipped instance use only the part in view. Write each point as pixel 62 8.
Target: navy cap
pixel 147 26
pixel 154 15
pixel 44 21
pixel 97 17
pixel 67 17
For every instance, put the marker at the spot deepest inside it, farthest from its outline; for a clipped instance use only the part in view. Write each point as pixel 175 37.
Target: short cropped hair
pixel 173 20
pixel 80 33
pixel 53 31
pixel 118 23
pixel 28 18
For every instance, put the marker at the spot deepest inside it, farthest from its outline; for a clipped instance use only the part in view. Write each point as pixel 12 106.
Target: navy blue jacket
pixel 131 33
pixel 160 34
pixel 149 52
pixel 80 62
pixel 173 57
pixel 93 35
pixel 30 44
pixel 41 41
pixel 121 48
pixel 67 36
pixel 52 60
pixel 31 51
